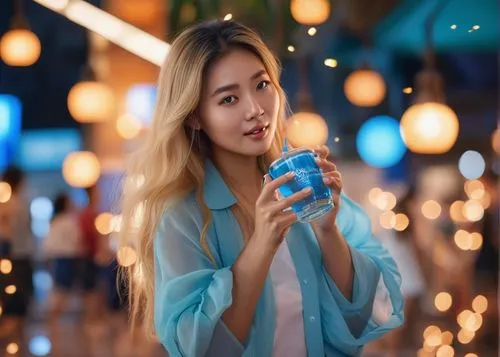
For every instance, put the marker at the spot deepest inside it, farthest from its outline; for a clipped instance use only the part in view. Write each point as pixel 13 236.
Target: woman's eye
pixel 263 84
pixel 228 100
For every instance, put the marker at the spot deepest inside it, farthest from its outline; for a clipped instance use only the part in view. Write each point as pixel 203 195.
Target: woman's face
pixel 239 105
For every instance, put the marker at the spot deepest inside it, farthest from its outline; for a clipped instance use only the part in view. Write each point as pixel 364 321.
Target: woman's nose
pixel 254 109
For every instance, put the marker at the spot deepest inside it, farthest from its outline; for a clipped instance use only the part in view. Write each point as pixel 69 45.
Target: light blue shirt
pixel 191 293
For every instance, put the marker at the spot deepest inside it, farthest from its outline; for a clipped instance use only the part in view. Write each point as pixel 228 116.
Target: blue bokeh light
pixel 379 142
pixel 140 102
pixel 10 127
pixel 40 346
pixel 46 149
pixel 41 208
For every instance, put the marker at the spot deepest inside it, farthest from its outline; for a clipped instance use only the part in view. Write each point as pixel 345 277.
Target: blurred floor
pixel 109 336
pixel 71 336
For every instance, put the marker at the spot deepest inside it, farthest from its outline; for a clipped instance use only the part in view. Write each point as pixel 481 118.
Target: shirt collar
pixel 216 193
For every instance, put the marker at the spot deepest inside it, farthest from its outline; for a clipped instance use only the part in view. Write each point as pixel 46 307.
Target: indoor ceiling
pixel 403 28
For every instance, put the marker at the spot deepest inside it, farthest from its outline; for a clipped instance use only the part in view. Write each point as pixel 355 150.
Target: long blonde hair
pixel 170 163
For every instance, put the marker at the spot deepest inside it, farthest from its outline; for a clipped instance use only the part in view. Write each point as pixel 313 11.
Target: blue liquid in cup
pixel 307 174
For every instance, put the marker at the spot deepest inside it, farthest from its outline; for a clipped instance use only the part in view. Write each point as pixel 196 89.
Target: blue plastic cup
pixel 307 174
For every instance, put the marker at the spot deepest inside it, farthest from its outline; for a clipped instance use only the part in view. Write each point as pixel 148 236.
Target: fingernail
pixel 290 174
pixel 307 189
pixel 327 180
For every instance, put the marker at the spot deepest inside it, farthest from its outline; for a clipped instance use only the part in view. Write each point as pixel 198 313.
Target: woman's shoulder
pixel 183 214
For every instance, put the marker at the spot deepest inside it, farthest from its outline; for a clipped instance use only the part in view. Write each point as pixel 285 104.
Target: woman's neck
pixel 241 173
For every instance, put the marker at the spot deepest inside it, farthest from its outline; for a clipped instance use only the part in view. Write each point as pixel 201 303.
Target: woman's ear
pixel 193 122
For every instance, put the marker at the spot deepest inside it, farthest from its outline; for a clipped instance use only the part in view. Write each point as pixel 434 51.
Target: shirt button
pixel 305 281
pixel 312 318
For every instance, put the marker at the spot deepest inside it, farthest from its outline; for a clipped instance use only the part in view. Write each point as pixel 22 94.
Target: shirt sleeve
pixel 190 293
pixel 348 325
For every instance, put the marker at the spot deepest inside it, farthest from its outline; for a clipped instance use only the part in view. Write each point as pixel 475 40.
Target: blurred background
pixel 404 92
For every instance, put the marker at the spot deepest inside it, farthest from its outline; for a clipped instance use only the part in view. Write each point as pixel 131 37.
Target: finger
pixel 286 219
pixel 272 185
pixel 292 199
pixel 333 175
pixel 333 182
pixel 322 151
pixel 336 174
pixel 266 179
pixel 326 165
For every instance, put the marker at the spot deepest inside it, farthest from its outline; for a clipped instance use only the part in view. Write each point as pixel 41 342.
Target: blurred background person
pixel 92 246
pixel 400 91
pixel 16 248
pixel 486 273
pixel 403 247
pixel 63 249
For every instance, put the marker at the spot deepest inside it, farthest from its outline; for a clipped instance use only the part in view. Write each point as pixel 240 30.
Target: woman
pixel 207 231
pixel 62 247
pixel 403 247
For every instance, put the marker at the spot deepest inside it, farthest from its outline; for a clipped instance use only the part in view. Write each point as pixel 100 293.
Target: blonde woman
pixel 223 269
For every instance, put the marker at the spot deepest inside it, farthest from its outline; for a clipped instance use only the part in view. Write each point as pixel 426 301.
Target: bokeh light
pixel 310 12
pixel 126 256
pixel 429 128
pixel 474 189
pixel 432 336
pixel 40 346
pixel 116 223
pixel 445 351
pixel 12 348
pixel 81 169
pixel 456 211
pixel 41 208
pixel 91 102
pixel 447 338
pixel 402 222
pixel 379 142
pixel 471 165
pixel 305 129
pixel 140 102
pixel 431 209
pixel 463 239
pixel 443 301
pixel 463 317
pixel 20 48
pixel 5 266
pixel 40 227
pixel 373 195
pixel 485 200
pixel 473 210
pixel 480 304
pixel 5 192
pixel 365 88
pixel 10 289
pixel 103 223
pixel 495 141
pixel 388 220
pixel 477 241
pixel 386 201
pixel 128 126
pixel 465 337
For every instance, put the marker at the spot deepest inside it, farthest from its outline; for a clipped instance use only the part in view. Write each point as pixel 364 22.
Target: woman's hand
pixel 333 179
pixel 271 220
